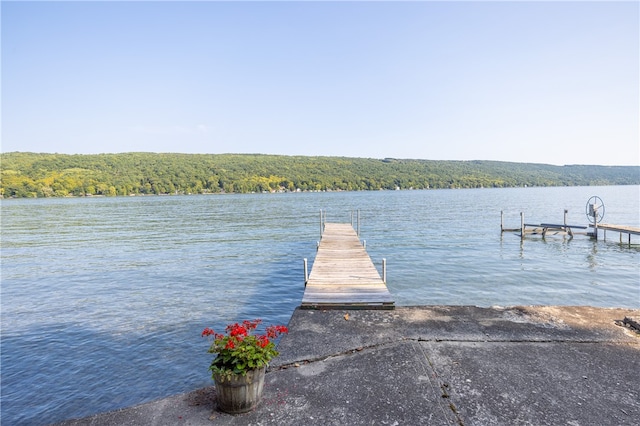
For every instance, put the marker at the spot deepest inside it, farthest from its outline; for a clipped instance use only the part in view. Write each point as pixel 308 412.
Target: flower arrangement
pixel 241 349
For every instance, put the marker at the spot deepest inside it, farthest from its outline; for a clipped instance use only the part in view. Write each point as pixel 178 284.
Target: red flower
pixel 274 331
pixel 237 330
pixel 251 325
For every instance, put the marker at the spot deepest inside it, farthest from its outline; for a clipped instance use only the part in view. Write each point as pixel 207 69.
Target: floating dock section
pixel 545 229
pixel 343 275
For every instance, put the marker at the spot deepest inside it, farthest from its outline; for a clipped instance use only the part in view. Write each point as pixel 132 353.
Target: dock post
pixel 306 271
pixel 567 229
pixel 321 227
pixel 501 221
pixel 521 225
pixel 358 223
pixel 384 270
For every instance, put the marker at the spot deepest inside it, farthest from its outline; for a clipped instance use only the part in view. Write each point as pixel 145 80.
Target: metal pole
pixel 501 221
pixel 565 219
pixel 321 228
pixel 364 244
pixel 521 225
pixel 306 272
pixel 358 223
pixel 384 270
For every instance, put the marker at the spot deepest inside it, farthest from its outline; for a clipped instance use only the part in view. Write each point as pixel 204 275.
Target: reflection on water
pixel 592 257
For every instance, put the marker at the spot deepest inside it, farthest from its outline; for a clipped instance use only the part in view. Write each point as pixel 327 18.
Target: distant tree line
pixel 61 175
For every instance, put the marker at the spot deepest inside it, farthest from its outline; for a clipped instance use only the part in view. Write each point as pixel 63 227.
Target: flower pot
pixel 239 394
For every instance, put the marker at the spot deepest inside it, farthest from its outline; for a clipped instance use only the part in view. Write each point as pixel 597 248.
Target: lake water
pixel 103 299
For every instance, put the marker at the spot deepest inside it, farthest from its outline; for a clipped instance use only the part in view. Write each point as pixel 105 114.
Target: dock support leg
pixel 384 270
pixel 521 225
pixel 306 271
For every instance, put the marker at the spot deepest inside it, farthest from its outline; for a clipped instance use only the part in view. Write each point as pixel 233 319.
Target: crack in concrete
pixel 436 340
pixel 444 387
pixel 352 351
pixel 297 363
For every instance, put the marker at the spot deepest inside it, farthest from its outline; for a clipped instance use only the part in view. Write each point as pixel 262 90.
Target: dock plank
pixel 618 228
pixel 343 275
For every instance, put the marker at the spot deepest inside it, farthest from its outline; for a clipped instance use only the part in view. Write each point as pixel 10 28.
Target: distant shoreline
pixel 32 175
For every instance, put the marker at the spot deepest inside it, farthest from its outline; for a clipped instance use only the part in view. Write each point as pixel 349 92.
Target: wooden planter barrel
pixel 239 394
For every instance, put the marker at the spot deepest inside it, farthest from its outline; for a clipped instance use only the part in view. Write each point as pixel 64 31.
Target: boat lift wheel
pixel 595 209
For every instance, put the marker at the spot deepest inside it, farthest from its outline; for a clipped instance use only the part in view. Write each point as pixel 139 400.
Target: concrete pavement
pixel 434 365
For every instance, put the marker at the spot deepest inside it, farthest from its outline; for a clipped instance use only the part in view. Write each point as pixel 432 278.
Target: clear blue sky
pixel 543 82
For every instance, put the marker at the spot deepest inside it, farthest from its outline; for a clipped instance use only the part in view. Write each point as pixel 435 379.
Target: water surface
pixel 103 299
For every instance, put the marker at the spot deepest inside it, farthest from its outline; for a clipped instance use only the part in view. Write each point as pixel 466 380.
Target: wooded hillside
pixel 59 175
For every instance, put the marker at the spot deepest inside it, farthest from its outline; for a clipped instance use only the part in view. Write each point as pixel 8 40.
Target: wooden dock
pixel 343 275
pixel 622 229
pixel 545 229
